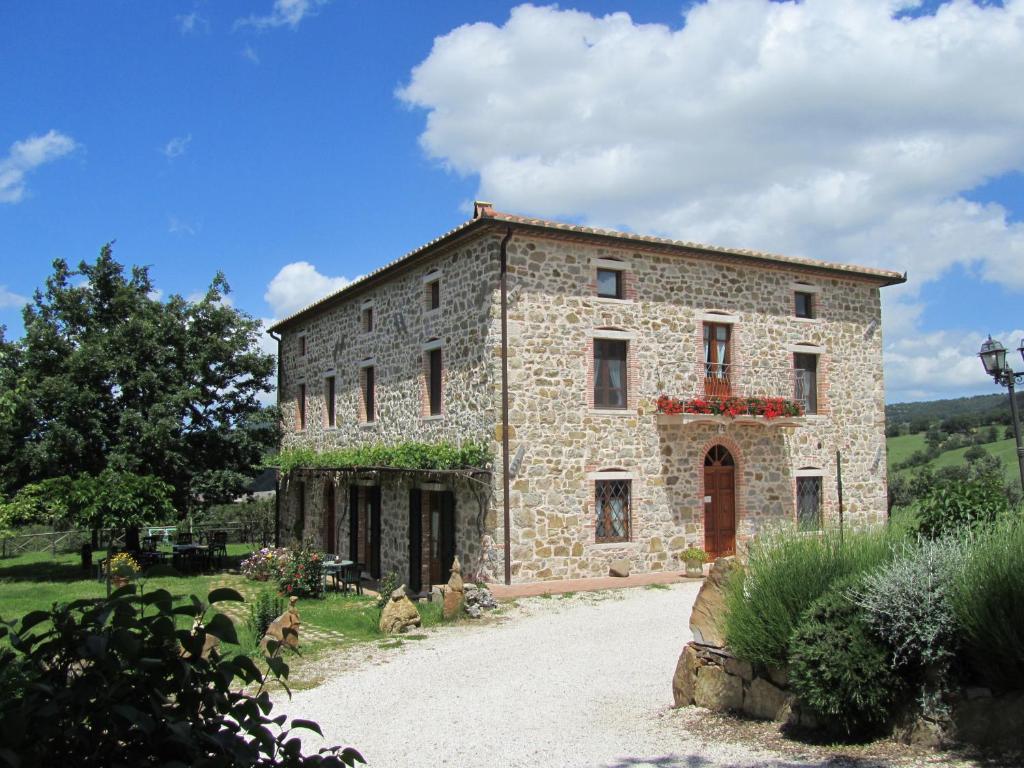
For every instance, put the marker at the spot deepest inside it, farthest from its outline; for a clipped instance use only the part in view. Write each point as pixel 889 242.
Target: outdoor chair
pixel 218 546
pixel 353 574
pixel 183 537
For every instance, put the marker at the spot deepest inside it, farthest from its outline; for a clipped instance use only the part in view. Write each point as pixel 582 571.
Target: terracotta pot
pixel 694 568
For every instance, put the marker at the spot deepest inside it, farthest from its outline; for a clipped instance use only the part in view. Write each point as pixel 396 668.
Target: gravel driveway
pixel 577 681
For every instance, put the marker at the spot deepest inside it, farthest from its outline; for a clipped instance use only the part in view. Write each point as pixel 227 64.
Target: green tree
pixel 110 383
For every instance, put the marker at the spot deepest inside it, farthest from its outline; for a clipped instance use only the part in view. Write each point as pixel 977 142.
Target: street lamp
pixel 993 357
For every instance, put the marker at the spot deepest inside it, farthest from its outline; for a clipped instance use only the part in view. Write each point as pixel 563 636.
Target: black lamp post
pixel 993 357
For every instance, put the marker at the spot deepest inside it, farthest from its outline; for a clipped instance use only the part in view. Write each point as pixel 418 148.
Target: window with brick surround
pixel 434 382
pixel 366 317
pixel 610 381
pixel 300 408
pixel 302 345
pixel 609 283
pixel 808 502
pixel 432 291
pixel 805 381
pixel 329 385
pixel 804 304
pixel 612 510
pixel 368 385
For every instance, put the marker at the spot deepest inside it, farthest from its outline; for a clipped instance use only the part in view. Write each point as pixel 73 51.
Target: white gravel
pixel 579 681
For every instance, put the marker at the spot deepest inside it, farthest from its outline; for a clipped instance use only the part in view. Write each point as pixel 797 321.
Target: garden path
pixel 581 680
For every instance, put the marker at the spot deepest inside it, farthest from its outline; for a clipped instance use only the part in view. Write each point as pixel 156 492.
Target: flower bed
pixel 298 571
pixel 265 564
pixel 766 407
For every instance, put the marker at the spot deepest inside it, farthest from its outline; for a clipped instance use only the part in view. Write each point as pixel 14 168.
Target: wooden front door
pixel 719 502
pixel 330 526
pixel 442 535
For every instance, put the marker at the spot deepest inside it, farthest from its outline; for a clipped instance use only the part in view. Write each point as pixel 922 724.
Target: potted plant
pixel 694 559
pixel 121 568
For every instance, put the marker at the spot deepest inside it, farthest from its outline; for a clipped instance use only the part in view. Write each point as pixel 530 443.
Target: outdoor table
pixel 334 569
pixel 190 553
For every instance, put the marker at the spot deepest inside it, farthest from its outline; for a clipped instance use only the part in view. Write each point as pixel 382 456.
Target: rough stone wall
pixel 394 518
pixel 336 344
pixel 553 318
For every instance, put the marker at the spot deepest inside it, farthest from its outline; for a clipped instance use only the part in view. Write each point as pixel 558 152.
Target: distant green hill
pixel 980 409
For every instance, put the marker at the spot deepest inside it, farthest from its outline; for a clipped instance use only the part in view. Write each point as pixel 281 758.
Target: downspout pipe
pixel 277 473
pixel 504 404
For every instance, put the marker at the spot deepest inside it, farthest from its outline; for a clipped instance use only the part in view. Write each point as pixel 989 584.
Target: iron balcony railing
pixel 731 380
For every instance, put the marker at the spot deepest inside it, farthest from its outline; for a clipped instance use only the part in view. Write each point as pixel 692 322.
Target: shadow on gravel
pixel 697 761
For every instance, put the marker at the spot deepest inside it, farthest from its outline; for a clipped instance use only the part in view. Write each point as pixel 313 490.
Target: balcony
pixel 728 394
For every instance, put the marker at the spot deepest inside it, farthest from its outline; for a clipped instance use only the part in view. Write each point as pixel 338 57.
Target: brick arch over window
pixel 739 486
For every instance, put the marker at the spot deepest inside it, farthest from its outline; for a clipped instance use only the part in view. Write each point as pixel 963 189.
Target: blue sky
pixel 296 144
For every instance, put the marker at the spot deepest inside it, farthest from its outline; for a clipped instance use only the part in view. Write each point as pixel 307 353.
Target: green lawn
pixel 900 448
pixel 38 580
pixel 1004 450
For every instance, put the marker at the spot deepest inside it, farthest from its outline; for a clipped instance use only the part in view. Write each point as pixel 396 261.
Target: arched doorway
pixel 719 502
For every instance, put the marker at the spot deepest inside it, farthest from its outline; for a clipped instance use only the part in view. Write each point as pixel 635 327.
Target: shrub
pixel 908 605
pixel 262 612
pixel 112 682
pixel 388 584
pixel 952 506
pixel 302 573
pixel 265 565
pixel 693 555
pixel 988 605
pixel 786 572
pixel 123 565
pixel 837 668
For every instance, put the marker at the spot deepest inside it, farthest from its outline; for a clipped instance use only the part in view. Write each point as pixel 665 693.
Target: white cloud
pixel 285 13
pixel 178 226
pixel 26 155
pixel 176 147
pixel 10 299
pixel 249 54
pixel 298 284
pixel 192 23
pixel 826 128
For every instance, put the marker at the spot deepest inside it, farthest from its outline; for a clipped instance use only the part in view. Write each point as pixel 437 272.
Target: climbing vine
pixel 408 455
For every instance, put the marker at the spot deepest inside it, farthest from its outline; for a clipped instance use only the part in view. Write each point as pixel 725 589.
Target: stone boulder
pixel 399 613
pixel 284 629
pixel 455 593
pixel 707 620
pixel 717 690
pixel 685 676
pixel 619 567
pixel 478 600
pixel 764 701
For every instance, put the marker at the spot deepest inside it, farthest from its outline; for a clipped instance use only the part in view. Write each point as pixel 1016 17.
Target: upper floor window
pixel 300 413
pixel 717 359
pixel 805 376
pixel 434 382
pixel 609 283
pixel 368 387
pixel 366 317
pixel 302 344
pixel 329 400
pixel 610 357
pixel 804 304
pixel 432 290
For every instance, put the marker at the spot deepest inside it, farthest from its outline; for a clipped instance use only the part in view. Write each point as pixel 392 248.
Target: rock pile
pixel 478 600
pixel 399 614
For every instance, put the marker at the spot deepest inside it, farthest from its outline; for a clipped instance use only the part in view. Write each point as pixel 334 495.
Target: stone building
pixel 596 326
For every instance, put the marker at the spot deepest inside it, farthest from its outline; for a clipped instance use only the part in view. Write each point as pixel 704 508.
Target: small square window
pixel 804 304
pixel 367 319
pixel 611 507
pixel 609 283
